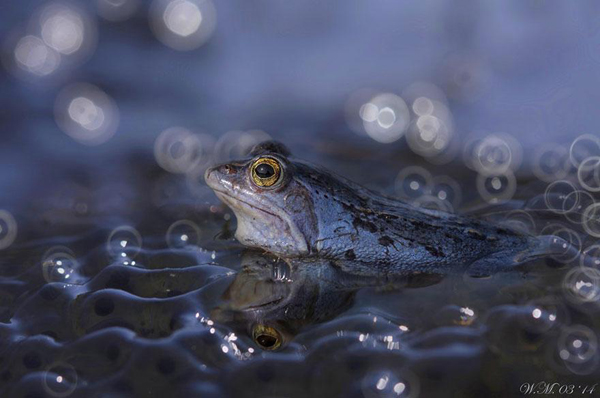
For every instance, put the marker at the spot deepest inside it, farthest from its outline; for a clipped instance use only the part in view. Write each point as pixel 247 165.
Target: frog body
pixel 296 210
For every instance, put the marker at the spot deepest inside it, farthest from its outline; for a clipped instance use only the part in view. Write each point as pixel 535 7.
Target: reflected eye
pixel 266 172
pixel 266 337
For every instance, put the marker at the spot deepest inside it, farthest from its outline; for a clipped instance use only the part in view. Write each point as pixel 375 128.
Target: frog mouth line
pixel 263 306
pixel 249 204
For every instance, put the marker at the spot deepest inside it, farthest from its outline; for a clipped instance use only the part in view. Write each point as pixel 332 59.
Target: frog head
pixel 273 207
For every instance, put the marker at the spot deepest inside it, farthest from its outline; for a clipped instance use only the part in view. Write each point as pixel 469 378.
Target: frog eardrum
pixel 265 172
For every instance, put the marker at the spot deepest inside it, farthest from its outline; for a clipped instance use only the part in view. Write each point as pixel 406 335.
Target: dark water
pixel 185 318
pixel 119 274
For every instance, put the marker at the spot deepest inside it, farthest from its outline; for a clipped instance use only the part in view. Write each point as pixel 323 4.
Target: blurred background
pixel 111 110
pixel 86 85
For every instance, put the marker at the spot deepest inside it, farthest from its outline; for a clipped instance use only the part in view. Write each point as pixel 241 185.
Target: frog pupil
pixel 265 170
pixel 266 341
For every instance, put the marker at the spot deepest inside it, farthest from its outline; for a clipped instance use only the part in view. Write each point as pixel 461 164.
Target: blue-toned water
pixel 119 273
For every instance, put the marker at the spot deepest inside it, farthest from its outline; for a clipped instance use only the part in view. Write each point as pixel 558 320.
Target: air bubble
pixel 556 197
pixel 8 229
pixel 60 380
pixel 551 163
pixel 567 243
pixel 183 234
pixel 177 150
pixel 544 314
pixel 496 188
pixel 431 134
pixel 582 284
pixel 574 205
pixel 577 344
pixel 520 220
pixel 60 265
pixel 447 189
pixel 413 182
pixel 588 174
pixel 494 155
pixel 124 242
pixel 497 154
pixel 584 147
pixel 590 257
pixel 591 220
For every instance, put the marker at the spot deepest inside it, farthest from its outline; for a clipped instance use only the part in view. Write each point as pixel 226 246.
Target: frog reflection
pixel 271 303
pixel 271 300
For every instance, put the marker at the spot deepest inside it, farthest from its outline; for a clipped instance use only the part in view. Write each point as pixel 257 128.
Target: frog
pixel 305 214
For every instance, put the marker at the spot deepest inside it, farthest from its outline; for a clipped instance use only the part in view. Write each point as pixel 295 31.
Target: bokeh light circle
pixel 413 182
pixel 58 35
pixel 237 144
pixel 575 204
pixel 588 174
pixel 583 147
pixel 32 55
pixel 177 150
pixel 566 244
pixel 551 162
pixel 60 265
pixel 497 154
pixel 447 189
pixel 590 257
pixel 545 313
pixel 8 229
pixel 432 132
pixel 591 220
pixel 124 242
pixel 385 117
pixel 577 344
pixel 86 113
pixel 582 285
pixel 60 380
pixel 182 234
pixel 496 188
pixel 556 195
pixel 62 28
pixel 183 24
pixel 520 220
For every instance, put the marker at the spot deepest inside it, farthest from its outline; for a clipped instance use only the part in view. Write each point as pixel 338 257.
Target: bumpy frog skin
pixel 310 214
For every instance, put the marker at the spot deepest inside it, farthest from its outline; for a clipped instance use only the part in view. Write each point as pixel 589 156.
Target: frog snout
pixel 217 173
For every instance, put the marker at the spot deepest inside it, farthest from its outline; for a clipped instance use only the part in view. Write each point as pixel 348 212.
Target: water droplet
pixel 124 242
pixel 183 233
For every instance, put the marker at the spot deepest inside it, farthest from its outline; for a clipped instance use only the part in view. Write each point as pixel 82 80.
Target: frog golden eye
pixel 266 337
pixel 266 172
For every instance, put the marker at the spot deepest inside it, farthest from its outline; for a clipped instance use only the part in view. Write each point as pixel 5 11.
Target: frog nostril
pixel 227 169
